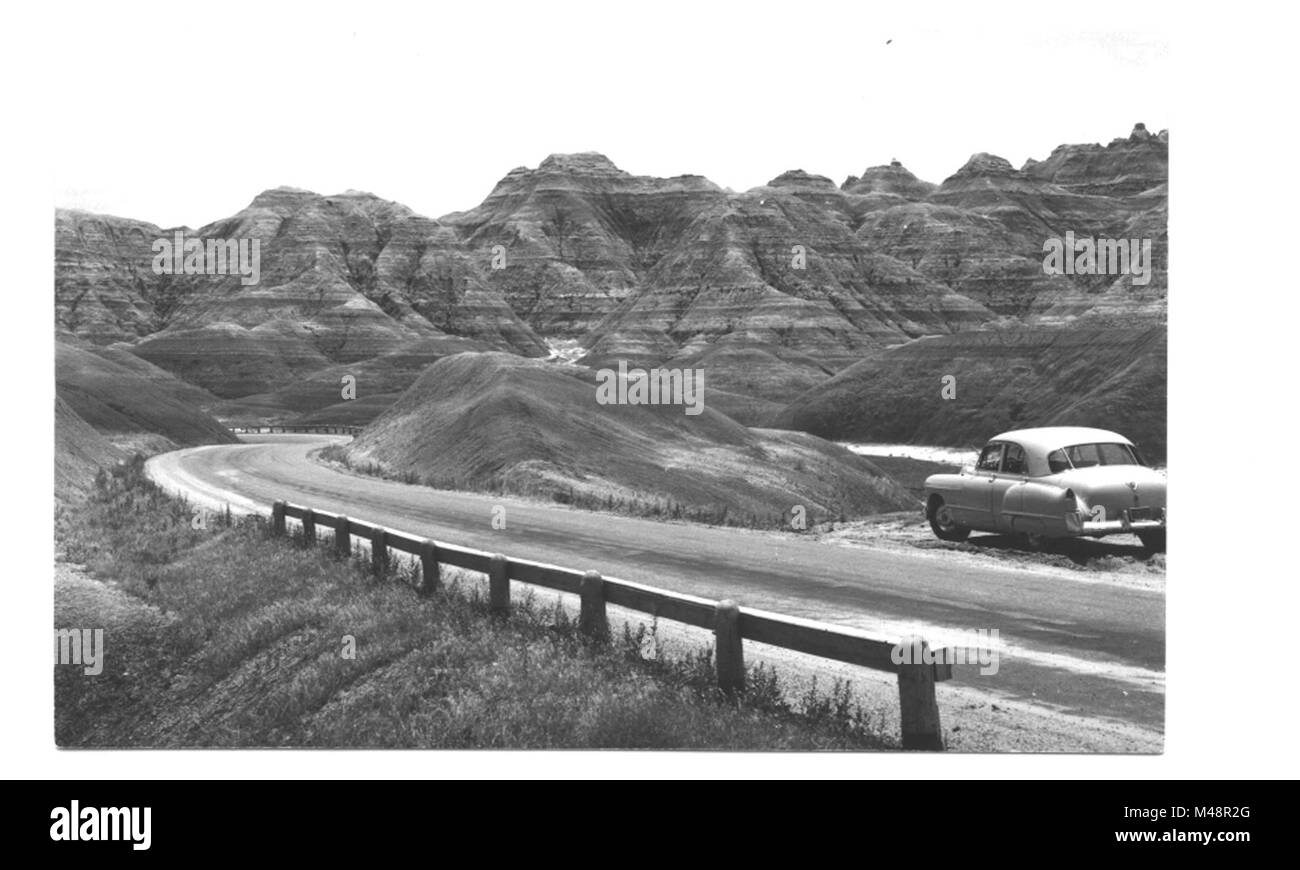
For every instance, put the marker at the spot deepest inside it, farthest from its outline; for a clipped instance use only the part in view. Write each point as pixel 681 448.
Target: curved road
pixel 1073 644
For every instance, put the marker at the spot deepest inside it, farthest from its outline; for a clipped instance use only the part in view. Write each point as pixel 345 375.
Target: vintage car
pixel 1054 482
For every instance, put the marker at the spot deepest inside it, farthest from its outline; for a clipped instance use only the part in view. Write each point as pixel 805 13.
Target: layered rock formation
pixel 342 279
pixel 982 232
pixel 771 291
pixel 647 268
pixel 579 235
pixel 1126 167
pixel 657 270
pixel 104 287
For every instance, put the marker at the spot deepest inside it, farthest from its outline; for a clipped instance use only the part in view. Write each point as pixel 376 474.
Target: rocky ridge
pixel 771 291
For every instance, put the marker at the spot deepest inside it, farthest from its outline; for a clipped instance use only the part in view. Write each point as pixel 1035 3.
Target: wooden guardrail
pixel 297 430
pixel 731 624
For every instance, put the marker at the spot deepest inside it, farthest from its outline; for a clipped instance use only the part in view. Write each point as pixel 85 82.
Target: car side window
pixel 1014 461
pixel 990 458
pixel 1056 462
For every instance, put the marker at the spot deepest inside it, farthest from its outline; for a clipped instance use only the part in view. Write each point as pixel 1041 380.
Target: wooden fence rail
pixel 730 623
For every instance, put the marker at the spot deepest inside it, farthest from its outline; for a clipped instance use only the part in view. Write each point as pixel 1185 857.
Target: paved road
pixel 1073 644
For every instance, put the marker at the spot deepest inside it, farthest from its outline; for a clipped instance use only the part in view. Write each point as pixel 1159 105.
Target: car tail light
pixel 1074 512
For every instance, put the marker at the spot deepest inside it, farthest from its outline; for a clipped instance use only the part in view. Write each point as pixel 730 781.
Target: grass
pixel 595 498
pixel 226 636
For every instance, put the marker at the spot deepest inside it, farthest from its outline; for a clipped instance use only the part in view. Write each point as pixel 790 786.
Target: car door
pixel 1002 498
pixel 979 494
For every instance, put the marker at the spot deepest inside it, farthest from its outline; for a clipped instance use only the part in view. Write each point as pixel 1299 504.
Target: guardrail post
pixel 430 574
pixel 342 538
pixel 592 619
pixel 499 585
pixel 277 518
pixel 309 527
pixel 920 708
pixel 379 553
pixel 729 647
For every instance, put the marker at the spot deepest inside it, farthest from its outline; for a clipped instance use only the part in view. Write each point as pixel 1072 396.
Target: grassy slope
pixel 80 452
pixel 377 383
pixel 116 397
pixel 911 473
pixel 224 637
pixel 1012 379
pixel 501 423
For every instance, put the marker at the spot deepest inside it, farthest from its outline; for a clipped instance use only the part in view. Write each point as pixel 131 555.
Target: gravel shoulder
pixel 1117 559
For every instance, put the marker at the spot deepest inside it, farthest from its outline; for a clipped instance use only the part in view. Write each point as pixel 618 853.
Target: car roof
pixel 1049 438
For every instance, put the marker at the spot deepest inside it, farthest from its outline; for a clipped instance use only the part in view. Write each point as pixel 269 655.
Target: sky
pixel 198 110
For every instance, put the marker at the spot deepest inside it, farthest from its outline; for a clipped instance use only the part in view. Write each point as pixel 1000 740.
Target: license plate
pixel 1138 514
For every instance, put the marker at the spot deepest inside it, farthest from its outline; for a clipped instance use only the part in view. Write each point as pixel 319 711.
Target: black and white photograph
pixel 711 382
pixel 613 459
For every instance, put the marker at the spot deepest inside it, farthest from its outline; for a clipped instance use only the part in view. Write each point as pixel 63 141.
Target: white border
pixel 1232 580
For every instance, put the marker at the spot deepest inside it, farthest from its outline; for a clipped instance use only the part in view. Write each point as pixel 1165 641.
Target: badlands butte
pixel 474 338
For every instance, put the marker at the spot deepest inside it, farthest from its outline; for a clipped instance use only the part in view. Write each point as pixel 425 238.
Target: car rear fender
pixel 1044 500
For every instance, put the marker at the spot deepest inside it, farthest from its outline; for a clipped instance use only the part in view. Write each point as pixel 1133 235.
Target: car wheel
pixel 944 526
pixel 1035 542
pixel 1154 542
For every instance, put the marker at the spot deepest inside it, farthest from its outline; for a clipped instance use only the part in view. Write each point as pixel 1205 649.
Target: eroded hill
pixel 500 422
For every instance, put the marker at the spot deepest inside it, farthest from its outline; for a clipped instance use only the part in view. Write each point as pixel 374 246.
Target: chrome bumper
pixel 1077 525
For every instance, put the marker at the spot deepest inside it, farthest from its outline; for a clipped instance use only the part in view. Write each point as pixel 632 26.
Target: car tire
pixel 943 525
pixel 1153 542
pixel 1035 542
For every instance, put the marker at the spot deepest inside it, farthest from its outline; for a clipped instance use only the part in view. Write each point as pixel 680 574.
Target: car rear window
pixel 1088 455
